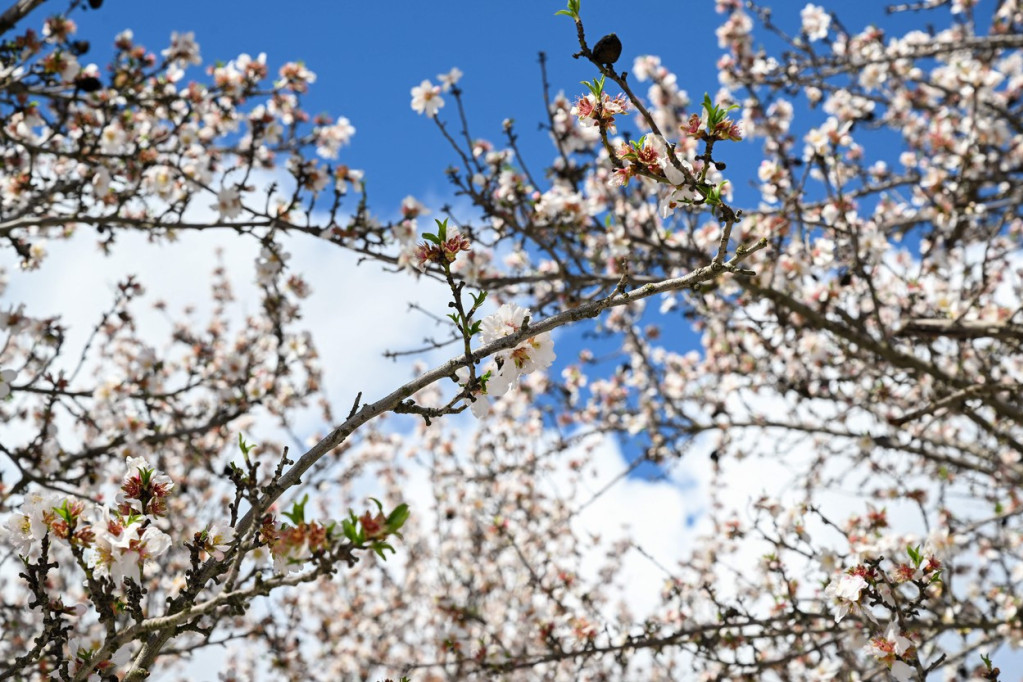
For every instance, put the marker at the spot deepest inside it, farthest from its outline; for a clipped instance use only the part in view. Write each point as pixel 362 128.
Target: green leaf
pixel 397 518
pixel 132 519
pixel 914 555
pixel 64 512
pixel 572 11
pixel 712 196
pixel 707 104
pixel 715 114
pixel 379 547
pixel 596 87
pixel 246 448
pixel 297 513
pixel 351 531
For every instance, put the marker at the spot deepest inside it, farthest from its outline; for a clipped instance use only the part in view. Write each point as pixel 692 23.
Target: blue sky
pixel 367 56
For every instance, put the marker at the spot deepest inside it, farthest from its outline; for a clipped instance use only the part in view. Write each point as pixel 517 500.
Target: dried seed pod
pixel 608 49
pixel 88 83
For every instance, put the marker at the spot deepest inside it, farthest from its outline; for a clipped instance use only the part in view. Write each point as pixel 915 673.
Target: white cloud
pixel 654 514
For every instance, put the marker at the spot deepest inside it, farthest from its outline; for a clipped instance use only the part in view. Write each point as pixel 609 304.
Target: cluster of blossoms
pixel 699 127
pixel 331 137
pixel 532 354
pixel 426 97
pixel 648 157
pixel 442 249
pixel 861 583
pixel 25 530
pixel 895 651
pixel 123 541
pixel 691 176
pixel 639 154
pixel 126 545
pixel 292 546
pixel 600 112
pixel 170 141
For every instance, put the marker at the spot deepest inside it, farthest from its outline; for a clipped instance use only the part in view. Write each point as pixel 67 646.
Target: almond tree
pixel 860 329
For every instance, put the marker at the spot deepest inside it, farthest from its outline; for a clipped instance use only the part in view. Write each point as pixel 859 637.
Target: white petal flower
pixel 426 99
pixel 902 671
pixel 845 594
pixel 815 22
pixel 674 175
pixel 481 405
pixel 229 203
pixel 506 321
pixel 450 79
pixel 218 538
pixel 17 533
pixel 6 378
pixel 532 354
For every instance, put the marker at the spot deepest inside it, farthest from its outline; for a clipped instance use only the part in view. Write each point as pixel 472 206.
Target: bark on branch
pixel 961 329
pixel 16 12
